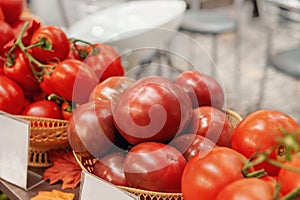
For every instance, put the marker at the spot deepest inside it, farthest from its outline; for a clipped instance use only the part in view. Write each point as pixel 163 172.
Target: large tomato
pixel 288 179
pixel 152 109
pixel 111 88
pixel 12 97
pixel 247 189
pixel 191 144
pixel 202 89
pixel 259 131
pixel 73 80
pixel 7 34
pixel 105 61
pixel 154 166
pixel 204 177
pixel 91 131
pixel 111 168
pixel 43 108
pixel 12 9
pixel 213 124
pixel 52 44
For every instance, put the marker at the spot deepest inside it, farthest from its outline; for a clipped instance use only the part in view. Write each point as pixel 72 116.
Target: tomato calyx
pixel 42 43
pixel 83 53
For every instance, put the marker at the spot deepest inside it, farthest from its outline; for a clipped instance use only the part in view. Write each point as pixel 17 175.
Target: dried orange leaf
pixel 64 168
pixel 53 195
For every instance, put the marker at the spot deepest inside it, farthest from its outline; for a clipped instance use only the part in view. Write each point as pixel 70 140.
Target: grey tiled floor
pixel 281 91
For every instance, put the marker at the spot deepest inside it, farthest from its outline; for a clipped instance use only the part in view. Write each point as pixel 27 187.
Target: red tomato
pixel 12 97
pixel 32 27
pixel 213 124
pixel 111 88
pixel 73 80
pixel 152 109
pixel 202 89
pixel 7 34
pixel 259 131
pixel 154 166
pixel 53 44
pixel 204 177
pixel 66 110
pixel 79 52
pixel 247 189
pixel 105 61
pixel 12 9
pixel 288 179
pixel 43 108
pixel 190 145
pixel 91 130
pixel 18 68
pixel 46 84
pixel 2 17
pixel 111 168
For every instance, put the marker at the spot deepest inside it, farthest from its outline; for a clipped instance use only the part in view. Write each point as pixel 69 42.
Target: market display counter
pixel 16 193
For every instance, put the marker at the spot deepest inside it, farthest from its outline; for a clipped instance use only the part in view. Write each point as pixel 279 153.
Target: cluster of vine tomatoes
pixel 44 74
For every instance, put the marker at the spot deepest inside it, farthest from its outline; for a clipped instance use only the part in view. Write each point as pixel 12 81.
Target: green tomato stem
pixel 293 195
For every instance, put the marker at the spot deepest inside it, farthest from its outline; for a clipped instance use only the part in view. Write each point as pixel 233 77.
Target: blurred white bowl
pixel 132 25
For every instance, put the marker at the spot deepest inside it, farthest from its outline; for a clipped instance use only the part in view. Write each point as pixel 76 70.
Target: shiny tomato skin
pixel 111 168
pixel 7 34
pixel 12 97
pixel 152 109
pixel 90 129
pixel 213 124
pixel 202 89
pixel 111 88
pixel 204 177
pixel 43 108
pixel 21 72
pixel 105 61
pixel 12 9
pixel 259 132
pixel 55 47
pixel 73 80
pixel 247 189
pixel 288 179
pixel 66 110
pixel 192 144
pixel 154 166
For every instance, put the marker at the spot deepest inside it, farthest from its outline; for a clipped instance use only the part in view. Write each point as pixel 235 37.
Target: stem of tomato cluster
pixel 293 195
pixel 94 49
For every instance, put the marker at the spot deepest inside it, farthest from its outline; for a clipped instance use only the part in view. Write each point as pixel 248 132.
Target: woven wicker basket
pixel 87 164
pixel 45 134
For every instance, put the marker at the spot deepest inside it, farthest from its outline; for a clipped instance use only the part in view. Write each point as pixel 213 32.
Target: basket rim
pixel 129 189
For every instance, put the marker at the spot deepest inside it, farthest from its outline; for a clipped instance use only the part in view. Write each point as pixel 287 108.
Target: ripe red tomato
pixel 78 51
pixel 191 144
pixel 111 88
pixel 111 168
pixel 213 124
pixel 33 25
pixel 91 131
pixel 7 34
pixel 12 97
pixel 73 80
pixel 17 68
pixel 288 179
pixel 12 9
pixel 105 61
pixel 43 108
pixel 259 131
pixel 154 166
pixel 202 89
pixel 53 44
pixel 66 110
pixel 152 109
pixel 247 189
pixel 204 177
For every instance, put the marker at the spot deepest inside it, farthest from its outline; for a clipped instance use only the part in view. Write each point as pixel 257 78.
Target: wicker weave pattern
pixel 45 134
pixel 87 163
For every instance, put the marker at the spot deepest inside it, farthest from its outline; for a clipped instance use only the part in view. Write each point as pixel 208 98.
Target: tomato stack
pixel 42 72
